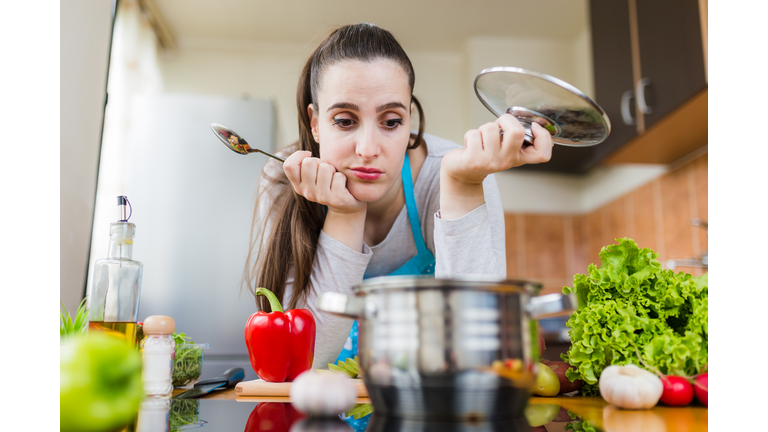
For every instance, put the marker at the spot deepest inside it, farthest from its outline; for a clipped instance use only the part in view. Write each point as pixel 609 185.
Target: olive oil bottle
pixel 114 298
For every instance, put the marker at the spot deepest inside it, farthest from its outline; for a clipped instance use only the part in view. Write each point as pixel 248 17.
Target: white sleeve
pixel 473 244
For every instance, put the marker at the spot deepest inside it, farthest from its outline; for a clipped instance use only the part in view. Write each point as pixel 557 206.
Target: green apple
pixel 547 383
pixel 541 414
pixel 100 383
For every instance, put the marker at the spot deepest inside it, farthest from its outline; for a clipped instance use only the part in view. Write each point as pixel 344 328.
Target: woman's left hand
pixel 488 152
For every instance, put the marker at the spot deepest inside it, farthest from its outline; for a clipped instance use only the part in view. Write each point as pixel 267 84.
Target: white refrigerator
pixel 192 201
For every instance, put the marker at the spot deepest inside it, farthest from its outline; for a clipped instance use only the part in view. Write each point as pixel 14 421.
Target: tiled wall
pixel 552 248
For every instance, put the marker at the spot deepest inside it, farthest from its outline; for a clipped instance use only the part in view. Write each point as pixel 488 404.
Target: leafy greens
pixel 187 361
pixel 631 307
pixel 69 327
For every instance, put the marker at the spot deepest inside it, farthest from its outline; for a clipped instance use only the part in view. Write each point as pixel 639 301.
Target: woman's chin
pixel 367 192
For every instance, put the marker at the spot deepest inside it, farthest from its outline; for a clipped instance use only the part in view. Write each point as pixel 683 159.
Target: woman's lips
pixel 366 173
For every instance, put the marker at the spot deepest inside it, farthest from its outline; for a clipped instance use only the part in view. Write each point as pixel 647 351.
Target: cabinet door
pixel 612 57
pixel 612 54
pixel 671 54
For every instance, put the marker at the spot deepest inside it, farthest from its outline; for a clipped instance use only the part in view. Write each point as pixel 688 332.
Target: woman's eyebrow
pixel 344 105
pixel 353 107
pixel 390 106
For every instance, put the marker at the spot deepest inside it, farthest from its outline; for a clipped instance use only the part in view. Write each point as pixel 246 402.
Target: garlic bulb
pixel 322 394
pixel 630 387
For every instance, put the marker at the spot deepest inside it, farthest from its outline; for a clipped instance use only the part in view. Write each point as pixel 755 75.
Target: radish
pixel 701 388
pixel 678 391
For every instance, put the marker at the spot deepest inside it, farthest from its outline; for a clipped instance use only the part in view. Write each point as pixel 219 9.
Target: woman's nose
pixel 367 145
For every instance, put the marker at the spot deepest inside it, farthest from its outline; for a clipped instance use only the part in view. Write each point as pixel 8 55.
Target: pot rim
pixel 469 282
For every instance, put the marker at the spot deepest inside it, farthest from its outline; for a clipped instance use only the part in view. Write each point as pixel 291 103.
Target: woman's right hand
pixel 319 182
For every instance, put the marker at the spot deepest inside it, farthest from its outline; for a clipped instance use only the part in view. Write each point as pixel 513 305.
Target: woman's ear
pixel 313 122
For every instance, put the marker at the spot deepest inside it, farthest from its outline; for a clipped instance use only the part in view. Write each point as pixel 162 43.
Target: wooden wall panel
pixel 676 210
pixel 580 244
pixel 701 172
pixel 644 216
pixel 617 226
pixel 657 215
pixel 511 242
pixel 545 250
pixel 597 239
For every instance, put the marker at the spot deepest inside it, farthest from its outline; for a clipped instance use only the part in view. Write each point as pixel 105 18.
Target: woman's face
pixel 363 124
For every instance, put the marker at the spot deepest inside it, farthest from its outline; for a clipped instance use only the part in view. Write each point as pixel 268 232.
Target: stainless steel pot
pixel 447 349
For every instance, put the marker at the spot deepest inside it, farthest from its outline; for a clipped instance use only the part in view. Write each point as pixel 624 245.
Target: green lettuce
pixel 630 306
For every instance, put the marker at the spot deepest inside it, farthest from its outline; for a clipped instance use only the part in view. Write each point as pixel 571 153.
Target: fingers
pixel 316 180
pixel 541 150
pixel 487 152
pixel 325 174
pixel 338 183
pixel 292 167
pixel 514 132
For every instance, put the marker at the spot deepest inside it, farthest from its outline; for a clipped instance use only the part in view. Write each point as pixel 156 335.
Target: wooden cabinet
pixel 648 62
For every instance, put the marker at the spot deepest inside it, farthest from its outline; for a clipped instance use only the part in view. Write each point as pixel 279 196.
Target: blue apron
pixel 423 264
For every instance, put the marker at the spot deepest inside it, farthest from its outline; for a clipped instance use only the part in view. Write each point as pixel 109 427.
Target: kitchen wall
pixel 86 26
pixel 552 247
pixel 270 70
pixel 555 223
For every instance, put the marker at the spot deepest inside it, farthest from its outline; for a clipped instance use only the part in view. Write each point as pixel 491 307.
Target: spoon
pixel 236 143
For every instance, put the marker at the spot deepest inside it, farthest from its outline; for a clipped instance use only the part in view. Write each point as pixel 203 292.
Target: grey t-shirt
pixel 470 245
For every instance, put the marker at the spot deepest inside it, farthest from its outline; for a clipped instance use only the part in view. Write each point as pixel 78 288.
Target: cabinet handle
pixel 640 91
pixel 626 115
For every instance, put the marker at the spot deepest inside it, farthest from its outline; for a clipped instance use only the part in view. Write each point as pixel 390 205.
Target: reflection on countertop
pixel 225 412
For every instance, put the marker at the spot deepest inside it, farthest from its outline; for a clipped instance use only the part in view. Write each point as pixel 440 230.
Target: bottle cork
pixel 159 325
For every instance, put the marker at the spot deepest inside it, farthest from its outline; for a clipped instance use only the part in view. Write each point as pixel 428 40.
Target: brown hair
pixel 292 240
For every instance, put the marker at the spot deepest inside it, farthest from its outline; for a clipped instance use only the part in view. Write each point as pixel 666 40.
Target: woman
pixel 360 195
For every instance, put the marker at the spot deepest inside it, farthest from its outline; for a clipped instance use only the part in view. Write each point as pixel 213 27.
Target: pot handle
pixel 552 305
pixel 340 304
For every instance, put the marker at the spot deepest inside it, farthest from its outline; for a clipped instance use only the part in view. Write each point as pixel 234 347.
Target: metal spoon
pixel 236 143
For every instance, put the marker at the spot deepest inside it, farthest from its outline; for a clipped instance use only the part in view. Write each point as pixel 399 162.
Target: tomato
pixel 702 394
pixel 678 391
pixel 100 383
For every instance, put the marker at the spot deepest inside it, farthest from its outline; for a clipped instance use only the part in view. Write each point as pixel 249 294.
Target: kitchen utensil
pixel 566 112
pixel 229 379
pixel 236 143
pixel 447 349
pixel 263 388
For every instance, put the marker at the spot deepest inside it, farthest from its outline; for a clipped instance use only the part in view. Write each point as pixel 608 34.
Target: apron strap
pixel 410 204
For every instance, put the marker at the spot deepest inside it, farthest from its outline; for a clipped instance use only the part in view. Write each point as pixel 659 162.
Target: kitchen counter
pixel 588 410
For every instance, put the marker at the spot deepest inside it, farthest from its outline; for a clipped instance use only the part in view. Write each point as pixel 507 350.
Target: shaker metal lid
pixel 572 118
pixel 476 282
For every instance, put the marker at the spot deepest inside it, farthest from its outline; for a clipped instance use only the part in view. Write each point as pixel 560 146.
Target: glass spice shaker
pixel 157 352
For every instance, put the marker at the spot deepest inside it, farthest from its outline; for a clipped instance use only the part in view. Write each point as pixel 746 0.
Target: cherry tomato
pixel 677 391
pixel 701 394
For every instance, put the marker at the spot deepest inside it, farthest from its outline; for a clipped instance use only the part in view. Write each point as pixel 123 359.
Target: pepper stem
pixel 274 303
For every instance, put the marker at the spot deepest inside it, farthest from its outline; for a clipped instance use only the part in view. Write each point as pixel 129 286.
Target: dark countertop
pixel 224 411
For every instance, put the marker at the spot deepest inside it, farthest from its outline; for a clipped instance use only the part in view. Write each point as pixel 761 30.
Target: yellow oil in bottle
pixel 124 330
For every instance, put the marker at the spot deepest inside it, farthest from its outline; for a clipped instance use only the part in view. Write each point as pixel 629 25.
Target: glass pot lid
pixel 571 117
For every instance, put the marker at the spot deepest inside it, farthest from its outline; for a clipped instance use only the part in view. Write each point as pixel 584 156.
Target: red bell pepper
pixel 280 345
pixel 272 416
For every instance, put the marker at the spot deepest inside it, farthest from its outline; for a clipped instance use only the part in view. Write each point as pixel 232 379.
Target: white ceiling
pixel 435 25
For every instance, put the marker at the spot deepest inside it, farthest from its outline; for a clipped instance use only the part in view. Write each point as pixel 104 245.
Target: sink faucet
pixel 703 261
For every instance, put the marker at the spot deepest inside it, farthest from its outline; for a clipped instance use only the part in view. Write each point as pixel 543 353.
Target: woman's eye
pixel 344 123
pixel 392 124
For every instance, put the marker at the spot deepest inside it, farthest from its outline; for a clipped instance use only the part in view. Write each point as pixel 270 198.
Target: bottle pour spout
pixel 123 205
